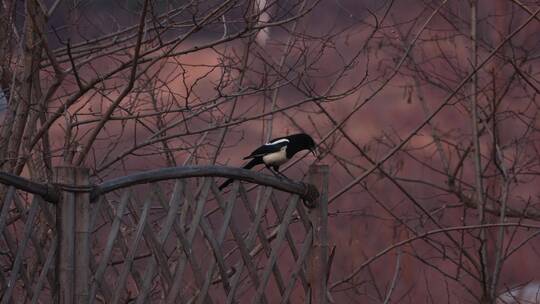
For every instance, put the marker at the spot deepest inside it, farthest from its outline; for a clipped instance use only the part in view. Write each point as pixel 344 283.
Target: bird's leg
pixel 273 172
pixel 281 174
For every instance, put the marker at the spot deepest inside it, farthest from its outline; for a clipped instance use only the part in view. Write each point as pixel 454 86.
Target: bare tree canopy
pixel 426 111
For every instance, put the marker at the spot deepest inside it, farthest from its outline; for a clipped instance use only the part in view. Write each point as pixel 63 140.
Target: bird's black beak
pixel 314 151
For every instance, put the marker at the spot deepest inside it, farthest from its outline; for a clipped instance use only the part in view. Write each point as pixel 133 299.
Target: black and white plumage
pixel 277 152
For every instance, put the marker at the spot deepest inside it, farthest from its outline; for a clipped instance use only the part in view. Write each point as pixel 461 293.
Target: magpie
pixel 277 152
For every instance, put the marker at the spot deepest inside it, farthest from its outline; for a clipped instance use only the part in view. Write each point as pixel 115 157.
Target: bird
pixel 277 152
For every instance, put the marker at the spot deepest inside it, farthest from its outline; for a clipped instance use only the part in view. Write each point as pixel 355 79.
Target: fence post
pixel 72 223
pixel 318 257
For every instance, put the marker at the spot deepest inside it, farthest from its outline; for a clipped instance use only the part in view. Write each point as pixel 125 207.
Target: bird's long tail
pixel 252 163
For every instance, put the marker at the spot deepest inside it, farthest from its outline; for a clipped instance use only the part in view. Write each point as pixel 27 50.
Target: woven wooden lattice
pixel 179 241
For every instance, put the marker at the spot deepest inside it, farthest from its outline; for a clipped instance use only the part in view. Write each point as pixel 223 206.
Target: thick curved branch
pixel 47 192
pixel 306 191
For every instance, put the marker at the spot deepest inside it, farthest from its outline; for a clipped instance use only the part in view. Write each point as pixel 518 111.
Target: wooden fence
pixel 164 236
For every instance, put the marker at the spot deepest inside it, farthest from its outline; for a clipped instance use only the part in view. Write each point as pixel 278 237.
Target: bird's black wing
pixel 271 147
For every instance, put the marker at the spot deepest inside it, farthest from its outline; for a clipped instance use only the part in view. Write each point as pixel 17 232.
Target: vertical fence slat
pixel 290 241
pixel 131 254
pixel 244 247
pixel 218 259
pixel 174 205
pixel 20 250
pixel 65 227
pixel 317 264
pixel 82 237
pixel 47 213
pixel 3 218
pixel 256 216
pixel 187 244
pixel 122 241
pixel 153 240
pixel 12 247
pixel 28 270
pixel 297 270
pixel 271 263
pixel 5 207
pixel 262 235
pixel 113 234
pixel 72 224
pixel 44 270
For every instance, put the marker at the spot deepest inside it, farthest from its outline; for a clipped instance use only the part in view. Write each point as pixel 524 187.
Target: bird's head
pixel 302 141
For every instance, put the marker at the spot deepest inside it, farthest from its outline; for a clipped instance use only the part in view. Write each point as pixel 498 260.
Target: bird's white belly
pixel 276 158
